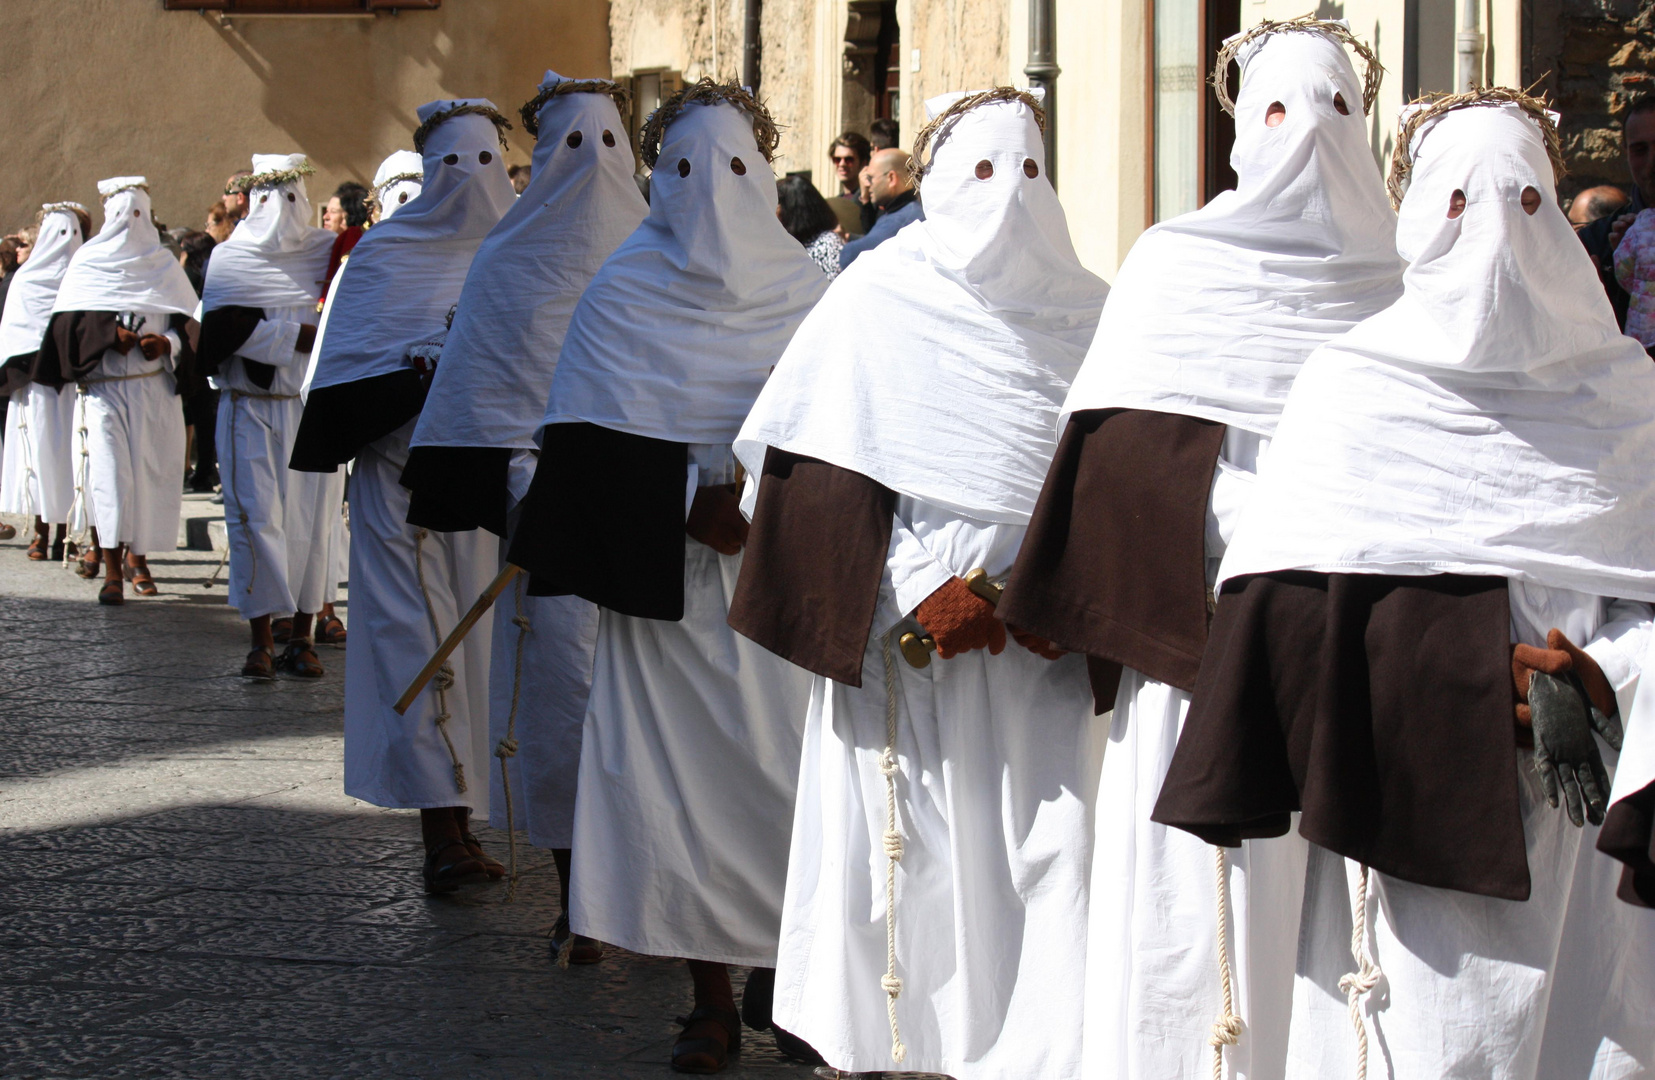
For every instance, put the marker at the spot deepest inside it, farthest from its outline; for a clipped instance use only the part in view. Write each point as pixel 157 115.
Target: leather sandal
pixel 496 869
pixel 260 664
pixel 112 594
pixel 449 865
pixel 330 630
pixel 582 949
pixel 699 1048
pixel 7 532
pixel 299 660
pixel 281 630
pixel 90 564
pixel 37 549
pixel 143 584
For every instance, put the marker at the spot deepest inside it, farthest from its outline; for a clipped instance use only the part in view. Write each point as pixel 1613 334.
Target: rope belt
pixel 83 384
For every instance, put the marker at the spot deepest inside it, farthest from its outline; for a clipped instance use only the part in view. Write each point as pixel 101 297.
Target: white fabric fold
pixel 677 332
pixel 275 258
pixel 1213 312
pixel 1493 420
pixel 124 267
pixel 520 293
pixel 34 287
pixel 969 326
pixel 397 181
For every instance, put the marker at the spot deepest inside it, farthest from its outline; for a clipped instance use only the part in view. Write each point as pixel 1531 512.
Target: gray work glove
pixel 1564 750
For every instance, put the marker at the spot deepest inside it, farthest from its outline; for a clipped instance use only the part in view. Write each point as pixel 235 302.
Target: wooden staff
pixel 452 642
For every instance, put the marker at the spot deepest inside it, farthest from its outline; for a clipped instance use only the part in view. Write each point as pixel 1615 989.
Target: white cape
pixel 124 267
pixel 274 258
pixel 34 286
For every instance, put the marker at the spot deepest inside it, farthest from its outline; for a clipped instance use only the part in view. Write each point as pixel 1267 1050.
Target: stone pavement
pixel 187 892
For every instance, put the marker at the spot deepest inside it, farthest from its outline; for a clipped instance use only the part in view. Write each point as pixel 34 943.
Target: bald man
pixel 892 190
pixel 1594 203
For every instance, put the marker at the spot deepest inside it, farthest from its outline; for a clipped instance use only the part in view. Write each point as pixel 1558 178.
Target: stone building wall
pixel 1591 56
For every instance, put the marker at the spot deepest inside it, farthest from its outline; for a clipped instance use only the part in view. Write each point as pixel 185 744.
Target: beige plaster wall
pixel 114 87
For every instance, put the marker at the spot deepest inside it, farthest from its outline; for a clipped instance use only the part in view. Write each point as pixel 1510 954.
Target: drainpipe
pixel 1043 71
pixel 750 44
pixel 1470 47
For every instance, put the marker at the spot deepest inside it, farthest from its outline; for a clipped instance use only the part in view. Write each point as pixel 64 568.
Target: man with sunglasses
pixel 850 154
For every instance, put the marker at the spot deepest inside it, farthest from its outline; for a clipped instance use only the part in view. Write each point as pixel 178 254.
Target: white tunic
pixel 39 477
pixel 132 474
pixel 280 523
pixel 997 769
pixel 406 761
pixel 688 765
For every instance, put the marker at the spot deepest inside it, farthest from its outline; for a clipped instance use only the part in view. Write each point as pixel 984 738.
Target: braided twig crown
pixel 530 112
pixel 1402 160
pixel 706 92
pixel 423 132
pixel 919 163
pixel 1305 24
pixel 277 178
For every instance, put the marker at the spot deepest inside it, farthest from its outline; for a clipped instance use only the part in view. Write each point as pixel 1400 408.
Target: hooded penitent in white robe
pixel 977 319
pixel 129 478
pixel 409 586
pixel 38 477
pixel 280 522
pixel 397 181
pixel 476 433
pixel 691 740
pixel 1210 317
pixel 1492 423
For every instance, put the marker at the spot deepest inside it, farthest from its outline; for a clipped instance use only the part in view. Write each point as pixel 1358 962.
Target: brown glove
pixel 307 338
pixel 1037 644
pixel 155 346
pixel 1561 657
pixel 959 620
pixel 715 519
pixel 125 340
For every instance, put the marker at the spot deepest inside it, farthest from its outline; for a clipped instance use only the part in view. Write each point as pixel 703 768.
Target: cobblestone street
pixel 188 893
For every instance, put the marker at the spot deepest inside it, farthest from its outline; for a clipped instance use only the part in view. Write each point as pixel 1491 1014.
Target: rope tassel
pixel 507 749
pixel 1226 1030
pixel 443 681
pixel 1367 973
pixel 890 983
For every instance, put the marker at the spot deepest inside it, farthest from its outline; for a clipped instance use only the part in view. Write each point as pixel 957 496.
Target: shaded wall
pixel 1591 56
pixel 111 87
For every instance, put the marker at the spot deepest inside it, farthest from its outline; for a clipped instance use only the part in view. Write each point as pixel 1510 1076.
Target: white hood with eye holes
pixel 1493 421
pixel 35 285
pixel 398 181
pixel 1213 312
pixel 407 271
pixel 275 258
pixel 937 361
pixel 520 294
pixel 679 329
pixel 124 267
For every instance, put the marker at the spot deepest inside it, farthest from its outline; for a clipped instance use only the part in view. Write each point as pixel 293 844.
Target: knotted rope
pixel 443 680
pixel 1226 1030
pixel 506 749
pixel 232 492
pixel 891 984
pixel 78 509
pixel 1367 973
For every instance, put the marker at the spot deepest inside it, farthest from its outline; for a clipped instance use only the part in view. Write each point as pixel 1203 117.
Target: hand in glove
pixel 715 519
pixel 1563 659
pixel 959 620
pixel 1564 750
pixel 1036 644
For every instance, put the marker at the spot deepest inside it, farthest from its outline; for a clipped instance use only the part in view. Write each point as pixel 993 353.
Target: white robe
pixel 997 771
pixel 404 761
pixel 39 477
pixel 688 764
pixel 133 468
pixel 279 522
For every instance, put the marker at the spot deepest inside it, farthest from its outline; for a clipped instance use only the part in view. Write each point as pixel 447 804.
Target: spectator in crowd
pixel 235 195
pixel 25 242
pixel 219 225
pixel 519 177
pixel 1594 204
pixel 8 264
pixel 347 209
pixel 891 190
pixel 201 403
pixel 1603 236
pixel 850 153
pixel 884 134
pixel 810 220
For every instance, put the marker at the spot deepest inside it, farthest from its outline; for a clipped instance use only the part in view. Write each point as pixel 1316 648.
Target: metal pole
pixel 1470 48
pixel 1043 71
pixel 750 45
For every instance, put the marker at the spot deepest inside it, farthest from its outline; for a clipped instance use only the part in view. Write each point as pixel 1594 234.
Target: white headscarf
pixel 35 284
pixel 969 326
pixel 398 181
pixel 1213 312
pixel 406 272
pixel 1493 420
pixel 497 364
pixel 675 335
pixel 124 267
pixel 275 258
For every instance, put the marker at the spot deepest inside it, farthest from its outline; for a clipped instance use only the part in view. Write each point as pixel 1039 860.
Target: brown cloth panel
pixel 1115 561
pixel 223 331
pixel 1381 706
pixel 811 569
pixel 604 520
pixel 17 372
pixel 458 488
pixel 74 344
pixel 340 420
pixel 1628 834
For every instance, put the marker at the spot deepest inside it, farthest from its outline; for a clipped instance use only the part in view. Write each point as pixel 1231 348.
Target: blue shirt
pixel 902 210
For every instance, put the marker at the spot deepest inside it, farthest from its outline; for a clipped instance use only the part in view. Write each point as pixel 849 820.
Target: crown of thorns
pixel 1402 160
pixel 123 187
pixel 707 92
pixel 530 112
pixel 69 207
pixel 1304 24
pixel 436 119
pixel 919 164
pixel 278 177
